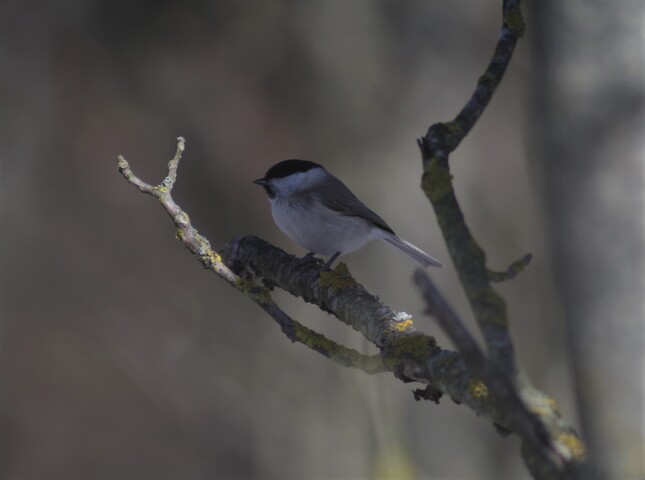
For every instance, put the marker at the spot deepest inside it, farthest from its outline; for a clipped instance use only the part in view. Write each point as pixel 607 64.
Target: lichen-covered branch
pixel 200 247
pixel 408 353
pixel 512 29
pixel 468 257
pixel 255 267
pixel 490 383
pixel 347 357
pixel 335 292
pixel 543 443
pixel 411 355
pixel 551 448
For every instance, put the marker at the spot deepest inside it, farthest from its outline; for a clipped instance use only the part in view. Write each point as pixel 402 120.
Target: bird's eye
pixel 270 190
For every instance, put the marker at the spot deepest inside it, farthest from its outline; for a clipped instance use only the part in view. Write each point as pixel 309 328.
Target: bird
pixel 321 214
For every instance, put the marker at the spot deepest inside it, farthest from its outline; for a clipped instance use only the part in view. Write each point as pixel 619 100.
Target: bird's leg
pixel 331 260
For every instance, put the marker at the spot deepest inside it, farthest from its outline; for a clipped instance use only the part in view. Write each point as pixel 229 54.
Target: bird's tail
pixel 416 253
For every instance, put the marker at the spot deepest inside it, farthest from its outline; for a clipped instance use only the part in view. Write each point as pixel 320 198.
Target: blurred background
pixel 121 358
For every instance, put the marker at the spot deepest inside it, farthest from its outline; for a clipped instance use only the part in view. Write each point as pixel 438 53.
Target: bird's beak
pixel 260 181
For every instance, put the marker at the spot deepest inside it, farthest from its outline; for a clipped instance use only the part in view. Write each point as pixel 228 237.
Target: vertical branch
pixel 468 257
pixel 551 448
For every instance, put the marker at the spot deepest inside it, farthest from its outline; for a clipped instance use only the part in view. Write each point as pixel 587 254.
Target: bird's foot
pixel 329 262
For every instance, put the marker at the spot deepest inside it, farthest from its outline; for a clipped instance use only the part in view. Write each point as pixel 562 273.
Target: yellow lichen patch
pixel 214 256
pixel 402 326
pixel 478 389
pixel 541 410
pixel 553 405
pixel 574 445
pixel 244 285
pixel 337 279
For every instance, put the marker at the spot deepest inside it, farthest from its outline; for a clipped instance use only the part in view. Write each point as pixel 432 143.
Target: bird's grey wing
pixel 335 196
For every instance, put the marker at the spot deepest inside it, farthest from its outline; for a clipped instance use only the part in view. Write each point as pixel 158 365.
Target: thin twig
pixel 511 31
pixel 513 270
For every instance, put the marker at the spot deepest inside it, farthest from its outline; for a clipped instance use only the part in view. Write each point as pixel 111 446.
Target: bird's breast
pixel 319 229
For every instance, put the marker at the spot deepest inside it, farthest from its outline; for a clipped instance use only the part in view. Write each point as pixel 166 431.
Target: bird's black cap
pixel 286 168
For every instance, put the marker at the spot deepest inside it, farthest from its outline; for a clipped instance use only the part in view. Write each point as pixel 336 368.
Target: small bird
pixel 318 212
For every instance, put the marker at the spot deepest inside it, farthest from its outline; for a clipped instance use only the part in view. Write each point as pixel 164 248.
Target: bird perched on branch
pixel 318 212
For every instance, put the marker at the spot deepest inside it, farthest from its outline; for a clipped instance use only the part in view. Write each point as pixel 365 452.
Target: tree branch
pixel 200 247
pixel 525 423
pixel 551 448
pixel 468 257
pixel 409 354
pixel 413 356
pixel 492 385
pixel 406 352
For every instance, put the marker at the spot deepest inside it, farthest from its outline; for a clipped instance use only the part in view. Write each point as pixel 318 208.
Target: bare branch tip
pixel 181 144
pixel 126 171
pixel 512 271
pixel 122 162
